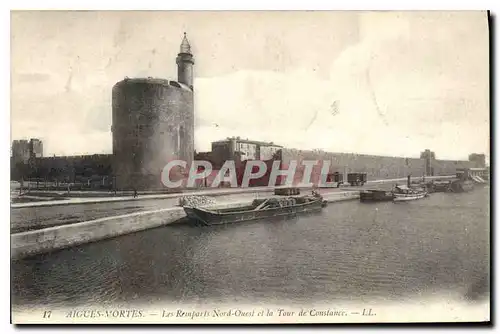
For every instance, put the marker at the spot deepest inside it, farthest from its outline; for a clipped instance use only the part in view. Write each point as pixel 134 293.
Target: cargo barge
pixel 259 209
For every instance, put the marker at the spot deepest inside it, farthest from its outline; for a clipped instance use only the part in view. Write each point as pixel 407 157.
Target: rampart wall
pixel 376 167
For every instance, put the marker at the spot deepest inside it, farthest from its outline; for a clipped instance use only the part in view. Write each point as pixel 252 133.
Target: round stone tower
pixel 153 123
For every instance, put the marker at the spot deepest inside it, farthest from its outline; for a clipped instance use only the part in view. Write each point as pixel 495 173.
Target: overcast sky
pixel 385 83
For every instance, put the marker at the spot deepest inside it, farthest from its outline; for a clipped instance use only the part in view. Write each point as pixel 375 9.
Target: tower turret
pixel 185 62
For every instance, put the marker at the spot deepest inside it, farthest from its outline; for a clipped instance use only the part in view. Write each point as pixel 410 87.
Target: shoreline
pixel 47 239
pixel 204 192
pixel 29 243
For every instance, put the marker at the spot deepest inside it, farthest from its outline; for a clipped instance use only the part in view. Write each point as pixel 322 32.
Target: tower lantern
pixel 185 62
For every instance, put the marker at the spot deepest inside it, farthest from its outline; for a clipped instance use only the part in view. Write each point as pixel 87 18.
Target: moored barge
pixel 375 196
pixel 259 209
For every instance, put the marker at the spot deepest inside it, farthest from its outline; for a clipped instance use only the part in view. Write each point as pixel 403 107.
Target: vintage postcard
pixel 234 167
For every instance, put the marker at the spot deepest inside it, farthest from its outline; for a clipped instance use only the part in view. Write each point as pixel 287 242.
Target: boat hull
pixel 375 196
pixel 209 217
pixel 408 197
pixel 442 187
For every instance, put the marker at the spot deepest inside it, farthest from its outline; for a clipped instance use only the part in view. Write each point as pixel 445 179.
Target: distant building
pixel 428 157
pixel 24 150
pixel 20 151
pixel 36 148
pixel 244 149
pixel 478 159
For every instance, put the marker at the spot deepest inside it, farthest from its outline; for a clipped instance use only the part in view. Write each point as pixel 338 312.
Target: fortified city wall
pixel 376 167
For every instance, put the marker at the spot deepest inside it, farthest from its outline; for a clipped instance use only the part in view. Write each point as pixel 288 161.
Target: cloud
pixel 398 93
pixel 410 82
pixel 407 81
pixel 263 104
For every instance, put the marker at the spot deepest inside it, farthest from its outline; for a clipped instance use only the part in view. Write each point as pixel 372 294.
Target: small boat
pixel 404 193
pixel 375 196
pixel 259 209
pixel 442 186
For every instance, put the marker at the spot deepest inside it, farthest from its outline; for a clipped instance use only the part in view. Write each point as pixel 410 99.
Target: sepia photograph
pixel 249 167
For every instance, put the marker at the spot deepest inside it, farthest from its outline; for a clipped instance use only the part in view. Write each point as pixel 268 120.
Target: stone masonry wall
pixel 376 167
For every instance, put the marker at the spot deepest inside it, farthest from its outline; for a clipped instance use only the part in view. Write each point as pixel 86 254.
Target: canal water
pixel 349 252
